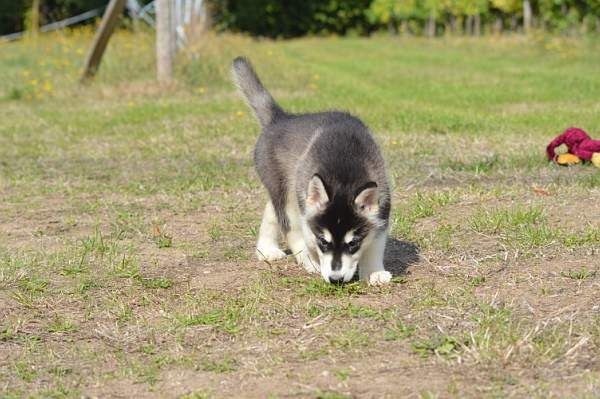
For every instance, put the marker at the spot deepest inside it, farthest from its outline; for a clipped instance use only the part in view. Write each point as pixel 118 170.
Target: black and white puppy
pixel 328 187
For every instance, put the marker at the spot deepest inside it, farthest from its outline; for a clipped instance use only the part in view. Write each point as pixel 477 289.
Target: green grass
pixel 581 274
pixel 129 214
pixel 224 365
pixel 441 345
pixel 399 331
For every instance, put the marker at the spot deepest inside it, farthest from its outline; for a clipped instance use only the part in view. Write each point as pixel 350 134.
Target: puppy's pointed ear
pixel 367 199
pixel 316 195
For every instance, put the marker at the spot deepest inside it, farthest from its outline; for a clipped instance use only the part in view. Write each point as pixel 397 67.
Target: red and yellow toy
pixel 579 146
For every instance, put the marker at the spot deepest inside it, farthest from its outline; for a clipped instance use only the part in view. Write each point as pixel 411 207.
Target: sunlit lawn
pixel 128 214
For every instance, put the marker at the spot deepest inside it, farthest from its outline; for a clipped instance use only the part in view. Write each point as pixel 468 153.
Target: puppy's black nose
pixel 336 280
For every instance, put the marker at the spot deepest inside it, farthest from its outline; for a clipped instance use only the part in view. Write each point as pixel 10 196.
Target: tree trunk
pixel 431 25
pixel 404 27
pixel 477 21
pixel 453 24
pixel 526 16
pixel 469 25
pixel 392 28
pixel 513 23
pixel 164 41
pixel 498 26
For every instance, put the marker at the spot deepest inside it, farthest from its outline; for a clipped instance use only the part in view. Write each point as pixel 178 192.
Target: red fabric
pixel 578 143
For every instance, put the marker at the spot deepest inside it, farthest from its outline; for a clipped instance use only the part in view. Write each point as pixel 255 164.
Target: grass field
pixel 128 215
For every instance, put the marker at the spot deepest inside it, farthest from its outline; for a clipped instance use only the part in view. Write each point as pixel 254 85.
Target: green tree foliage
pixel 12 15
pixel 13 12
pixel 291 18
pixel 276 18
pixel 508 6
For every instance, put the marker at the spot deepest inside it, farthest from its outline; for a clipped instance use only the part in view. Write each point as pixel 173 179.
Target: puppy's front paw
pixel 269 253
pixel 380 278
pixel 304 259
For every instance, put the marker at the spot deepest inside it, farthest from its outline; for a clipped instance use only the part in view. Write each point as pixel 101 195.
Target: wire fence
pixel 185 12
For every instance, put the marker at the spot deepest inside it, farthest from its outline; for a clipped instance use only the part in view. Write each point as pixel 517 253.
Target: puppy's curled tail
pixel 260 100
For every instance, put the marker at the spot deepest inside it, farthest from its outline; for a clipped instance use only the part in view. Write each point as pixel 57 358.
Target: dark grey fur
pixel 294 147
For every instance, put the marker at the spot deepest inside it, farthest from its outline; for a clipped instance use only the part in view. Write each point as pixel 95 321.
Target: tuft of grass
pixel 127 267
pixel 441 345
pixel 476 281
pixel 356 311
pixel 33 285
pixel 342 374
pixel 319 287
pixel 15 93
pixel 162 239
pixel 590 180
pixel 495 330
pixel 331 395
pixel 399 331
pixel 476 166
pixel 196 395
pixel 589 236
pixel 428 297
pixel 25 371
pixel 155 282
pixel 314 310
pixel 215 232
pixel 581 274
pixel 428 395
pixel 87 285
pixel 419 206
pixel 519 227
pixel 226 319
pixel 225 365
pixel 349 339
pixel 60 371
pixel 399 280
pixel 499 220
pixel 61 325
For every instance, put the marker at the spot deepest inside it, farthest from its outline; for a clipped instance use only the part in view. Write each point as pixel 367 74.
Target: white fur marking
pixel 296 239
pixel 349 236
pixel 267 246
pixel 327 236
pixel 380 278
pixel 371 261
pixel 269 253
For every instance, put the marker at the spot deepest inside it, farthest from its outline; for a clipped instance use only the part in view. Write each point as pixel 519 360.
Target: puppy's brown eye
pixel 353 246
pixel 323 243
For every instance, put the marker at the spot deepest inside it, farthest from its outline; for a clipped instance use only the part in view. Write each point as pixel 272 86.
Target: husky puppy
pixel 328 187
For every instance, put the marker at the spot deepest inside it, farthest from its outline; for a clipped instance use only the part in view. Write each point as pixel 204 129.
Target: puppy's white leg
pixel 267 246
pixel 295 240
pixel 370 265
pixel 298 247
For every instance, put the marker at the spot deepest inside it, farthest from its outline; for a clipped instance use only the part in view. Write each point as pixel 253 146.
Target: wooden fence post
pixel 526 16
pixel 34 21
pixel 107 26
pixel 165 41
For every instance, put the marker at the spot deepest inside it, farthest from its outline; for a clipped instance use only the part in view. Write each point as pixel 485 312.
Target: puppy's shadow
pixel 399 255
